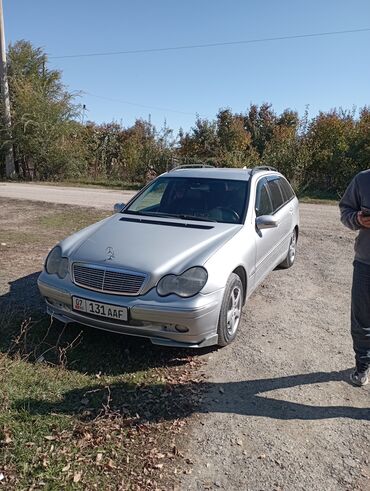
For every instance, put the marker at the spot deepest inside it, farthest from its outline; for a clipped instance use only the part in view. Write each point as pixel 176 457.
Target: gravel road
pixel 95 197
pixel 278 412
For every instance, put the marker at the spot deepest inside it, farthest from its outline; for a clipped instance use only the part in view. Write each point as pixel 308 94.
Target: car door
pixel 283 212
pixel 266 239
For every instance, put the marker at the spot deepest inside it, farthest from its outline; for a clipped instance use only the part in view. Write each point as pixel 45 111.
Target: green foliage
pixel 44 130
pixel 51 144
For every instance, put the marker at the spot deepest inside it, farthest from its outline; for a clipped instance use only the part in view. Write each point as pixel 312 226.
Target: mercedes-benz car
pixel 177 263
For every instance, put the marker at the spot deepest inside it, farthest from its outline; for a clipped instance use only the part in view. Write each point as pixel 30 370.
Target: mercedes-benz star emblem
pixel 109 253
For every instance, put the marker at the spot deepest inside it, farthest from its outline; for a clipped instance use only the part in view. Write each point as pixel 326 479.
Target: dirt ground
pixel 278 412
pixel 94 197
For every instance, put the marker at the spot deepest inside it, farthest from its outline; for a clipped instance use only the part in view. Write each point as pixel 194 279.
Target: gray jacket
pixel 357 194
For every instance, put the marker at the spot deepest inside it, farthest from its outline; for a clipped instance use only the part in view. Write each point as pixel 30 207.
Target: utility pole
pixel 83 113
pixel 9 159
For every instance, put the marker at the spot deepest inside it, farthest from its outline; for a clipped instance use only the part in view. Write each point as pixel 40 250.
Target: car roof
pixel 217 173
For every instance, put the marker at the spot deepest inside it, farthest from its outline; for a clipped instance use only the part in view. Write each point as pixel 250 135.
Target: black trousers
pixel 360 314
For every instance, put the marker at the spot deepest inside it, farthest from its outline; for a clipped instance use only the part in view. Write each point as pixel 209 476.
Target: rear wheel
pixel 231 310
pixel 292 251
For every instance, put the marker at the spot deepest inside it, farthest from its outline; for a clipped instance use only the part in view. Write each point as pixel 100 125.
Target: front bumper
pixel 150 315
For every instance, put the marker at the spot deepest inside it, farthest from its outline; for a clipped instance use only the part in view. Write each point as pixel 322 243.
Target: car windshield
pixel 188 198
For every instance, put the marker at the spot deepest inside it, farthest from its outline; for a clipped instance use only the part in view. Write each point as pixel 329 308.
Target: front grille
pixel 108 280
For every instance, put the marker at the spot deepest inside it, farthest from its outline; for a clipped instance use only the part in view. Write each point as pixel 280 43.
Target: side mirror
pixel 118 207
pixel 266 221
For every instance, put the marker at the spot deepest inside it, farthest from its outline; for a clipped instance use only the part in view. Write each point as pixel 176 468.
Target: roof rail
pixel 259 168
pixel 191 166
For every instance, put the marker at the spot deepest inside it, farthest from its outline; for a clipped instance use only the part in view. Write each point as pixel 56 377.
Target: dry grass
pixel 79 409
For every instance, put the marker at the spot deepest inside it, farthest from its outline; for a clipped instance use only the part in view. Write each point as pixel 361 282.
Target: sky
pixel 174 86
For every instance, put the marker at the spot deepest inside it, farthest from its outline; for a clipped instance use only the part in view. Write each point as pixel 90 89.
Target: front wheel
pixel 231 310
pixel 292 251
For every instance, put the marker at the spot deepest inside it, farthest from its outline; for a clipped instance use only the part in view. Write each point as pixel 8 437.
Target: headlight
pixel 56 264
pixel 186 284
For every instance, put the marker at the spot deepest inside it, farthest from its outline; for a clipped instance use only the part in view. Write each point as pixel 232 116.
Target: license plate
pixel 100 309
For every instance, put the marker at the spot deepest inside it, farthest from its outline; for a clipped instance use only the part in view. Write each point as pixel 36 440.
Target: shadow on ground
pixel 173 401
pixel 112 354
pixel 26 330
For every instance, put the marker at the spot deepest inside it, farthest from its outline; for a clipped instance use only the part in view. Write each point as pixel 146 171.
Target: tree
pixel 287 150
pixel 330 137
pixel 201 143
pixel 45 133
pixel 260 122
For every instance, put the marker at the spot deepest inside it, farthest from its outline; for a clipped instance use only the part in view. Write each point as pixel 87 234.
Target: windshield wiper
pixel 150 214
pixel 182 216
pixel 192 217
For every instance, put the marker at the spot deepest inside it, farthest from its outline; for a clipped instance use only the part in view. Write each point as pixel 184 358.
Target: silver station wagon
pixel 177 263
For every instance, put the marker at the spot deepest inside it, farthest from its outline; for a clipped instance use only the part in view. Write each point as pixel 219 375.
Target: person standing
pixel 355 214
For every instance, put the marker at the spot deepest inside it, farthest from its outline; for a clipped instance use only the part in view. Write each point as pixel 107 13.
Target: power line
pixel 211 45
pixel 164 109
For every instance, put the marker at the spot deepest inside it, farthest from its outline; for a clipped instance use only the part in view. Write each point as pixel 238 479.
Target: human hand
pixel 363 220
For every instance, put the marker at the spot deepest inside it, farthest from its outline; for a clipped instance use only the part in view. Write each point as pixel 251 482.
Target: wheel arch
pixel 241 272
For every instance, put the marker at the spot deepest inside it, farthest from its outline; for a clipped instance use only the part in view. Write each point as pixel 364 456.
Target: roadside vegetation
pixel 79 408
pixel 319 155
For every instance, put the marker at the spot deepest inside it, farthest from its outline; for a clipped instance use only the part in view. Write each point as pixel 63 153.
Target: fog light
pixel 181 328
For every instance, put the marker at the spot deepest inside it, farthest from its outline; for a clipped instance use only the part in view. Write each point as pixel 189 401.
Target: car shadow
pixel 26 330
pixel 152 403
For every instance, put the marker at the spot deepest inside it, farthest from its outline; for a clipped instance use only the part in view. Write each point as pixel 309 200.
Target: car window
pixel 151 197
pixel 286 189
pixel 220 200
pixel 276 194
pixel 263 201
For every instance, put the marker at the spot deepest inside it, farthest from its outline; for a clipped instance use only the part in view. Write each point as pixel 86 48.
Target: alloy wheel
pixel 234 310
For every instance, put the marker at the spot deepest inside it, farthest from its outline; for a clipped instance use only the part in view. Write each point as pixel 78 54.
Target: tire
pixel 231 310
pixel 292 252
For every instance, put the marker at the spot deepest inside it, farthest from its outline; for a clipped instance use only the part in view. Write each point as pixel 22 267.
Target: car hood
pixel 149 245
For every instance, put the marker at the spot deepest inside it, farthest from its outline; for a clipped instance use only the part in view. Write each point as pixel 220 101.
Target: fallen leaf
pixel 158 466
pixel 50 438
pixel 77 477
pixel 7 439
pixel 66 468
